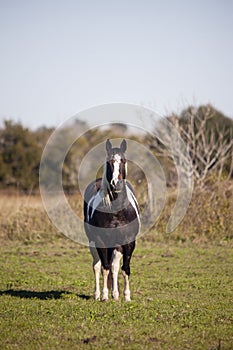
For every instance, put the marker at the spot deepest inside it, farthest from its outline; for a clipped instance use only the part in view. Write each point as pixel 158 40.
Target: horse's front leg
pixel 115 269
pixel 104 254
pixel 97 270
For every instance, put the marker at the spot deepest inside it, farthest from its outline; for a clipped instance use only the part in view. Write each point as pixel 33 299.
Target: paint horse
pixel 111 221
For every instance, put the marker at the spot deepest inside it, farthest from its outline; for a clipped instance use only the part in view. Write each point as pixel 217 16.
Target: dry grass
pixel 12 203
pixel 23 218
pixel 208 219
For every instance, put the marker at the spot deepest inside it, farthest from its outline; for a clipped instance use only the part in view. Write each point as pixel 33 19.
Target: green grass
pixel 181 298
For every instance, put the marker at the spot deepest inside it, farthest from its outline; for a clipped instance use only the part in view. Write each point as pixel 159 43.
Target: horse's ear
pixel 123 146
pixel 108 146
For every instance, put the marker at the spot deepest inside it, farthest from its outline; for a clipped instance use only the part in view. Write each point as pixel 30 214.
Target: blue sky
pixel 60 57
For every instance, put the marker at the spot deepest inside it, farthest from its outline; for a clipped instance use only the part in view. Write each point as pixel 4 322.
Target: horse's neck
pixel 105 187
pixel 107 194
pixel 110 196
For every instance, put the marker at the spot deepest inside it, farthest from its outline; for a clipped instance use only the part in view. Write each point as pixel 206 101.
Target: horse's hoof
pixel 105 300
pixel 127 299
pixel 115 296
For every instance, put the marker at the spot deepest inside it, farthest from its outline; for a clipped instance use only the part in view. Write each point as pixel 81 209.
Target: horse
pixel 111 222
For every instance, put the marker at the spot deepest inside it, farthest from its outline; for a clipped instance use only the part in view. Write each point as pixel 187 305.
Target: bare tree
pixel 209 143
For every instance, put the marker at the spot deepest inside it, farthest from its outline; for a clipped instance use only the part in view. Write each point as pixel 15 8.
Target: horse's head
pixel 116 166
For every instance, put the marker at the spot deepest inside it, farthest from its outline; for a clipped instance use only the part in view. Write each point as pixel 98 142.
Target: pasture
pixel 182 293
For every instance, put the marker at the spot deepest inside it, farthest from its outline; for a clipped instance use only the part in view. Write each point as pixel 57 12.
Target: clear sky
pixel 60 57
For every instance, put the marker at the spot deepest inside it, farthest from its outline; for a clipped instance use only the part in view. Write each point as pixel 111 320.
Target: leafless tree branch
pixel 208 145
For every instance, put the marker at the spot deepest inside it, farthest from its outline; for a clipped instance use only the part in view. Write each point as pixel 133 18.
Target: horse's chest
pixel 117 221
pixel 113 220
pixel 125 215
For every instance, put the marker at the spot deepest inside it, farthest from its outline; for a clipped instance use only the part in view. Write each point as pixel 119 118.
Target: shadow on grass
pixel 52 294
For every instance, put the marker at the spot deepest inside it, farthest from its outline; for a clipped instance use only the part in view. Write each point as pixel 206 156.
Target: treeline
pixel 207 133
pixel 20 154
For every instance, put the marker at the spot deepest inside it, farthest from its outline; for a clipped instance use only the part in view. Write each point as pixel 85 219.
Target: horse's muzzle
pixel 118 186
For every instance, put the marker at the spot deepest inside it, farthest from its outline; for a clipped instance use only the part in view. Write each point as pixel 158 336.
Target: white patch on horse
pixel 133 201
pixel 116 168
pixel 93 204
pixel 126 168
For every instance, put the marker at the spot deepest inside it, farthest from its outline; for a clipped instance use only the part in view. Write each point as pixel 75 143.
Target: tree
pixel 19 157
pixel 208 136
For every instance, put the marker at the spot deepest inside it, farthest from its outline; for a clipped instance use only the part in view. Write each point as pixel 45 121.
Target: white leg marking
pixel 126 287
pixel 115 269
pixel 105 284
pixel 97 271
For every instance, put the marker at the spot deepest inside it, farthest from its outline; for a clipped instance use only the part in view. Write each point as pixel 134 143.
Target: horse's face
pixel 116 165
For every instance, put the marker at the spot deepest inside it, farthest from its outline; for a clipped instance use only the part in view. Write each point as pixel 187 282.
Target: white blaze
pixel 116 168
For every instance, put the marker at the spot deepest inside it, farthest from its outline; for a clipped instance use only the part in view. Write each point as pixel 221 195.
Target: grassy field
pixel 182 294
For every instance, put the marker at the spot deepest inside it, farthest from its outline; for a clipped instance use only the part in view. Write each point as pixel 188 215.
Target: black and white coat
pixel 112 222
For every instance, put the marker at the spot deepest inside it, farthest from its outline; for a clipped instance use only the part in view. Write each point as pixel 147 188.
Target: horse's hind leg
pixel 126 286
pixel 105 284
pixel 115 269
pixel 97 270
pixel 127 253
